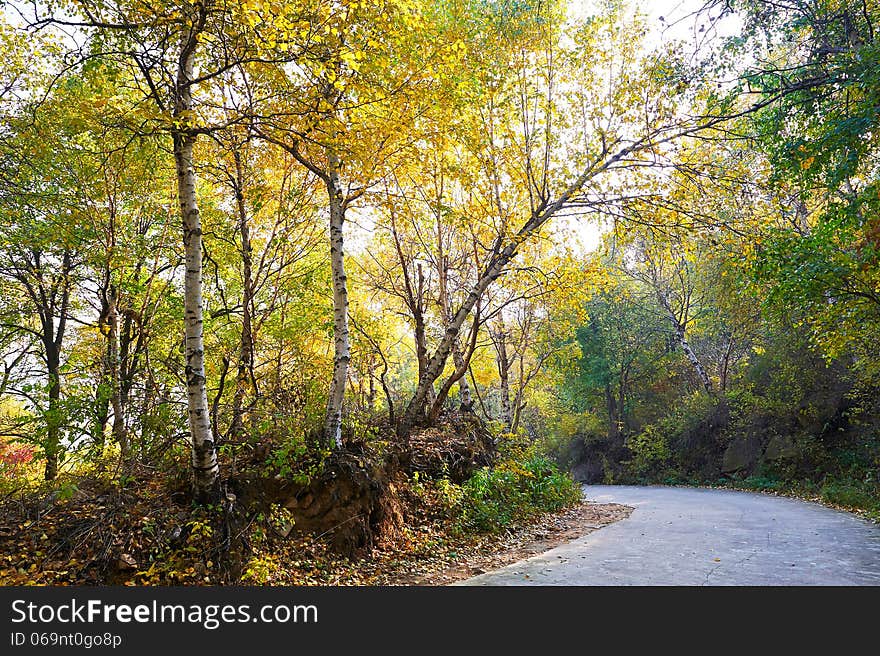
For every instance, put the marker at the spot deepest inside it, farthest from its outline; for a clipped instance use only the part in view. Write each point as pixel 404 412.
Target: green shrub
pixel 650 450
pixel 852 493
pixel 494 498
pixel 489 499
pixel 763 483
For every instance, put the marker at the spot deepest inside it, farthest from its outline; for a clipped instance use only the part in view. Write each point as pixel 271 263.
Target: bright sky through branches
pixel 667 21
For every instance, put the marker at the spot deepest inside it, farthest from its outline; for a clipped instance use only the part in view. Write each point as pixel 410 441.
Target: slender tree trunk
pixel 613 419
pixel 389 400
pixel 477 394
pixel 371 390
pixel 53 338
pixel 417 302
pixel 679 332
pixel 102 407
pixel 725 363
pixel 466 403
pixel 518 404
pixel 246 346
pixel 693 359
pixel 102 397
pixel 206 472
pixel 132 347
pixel 119 431
pixel 52 446
pixel 113 358
pixel 500 341
pixel 437 404
pixel 341 342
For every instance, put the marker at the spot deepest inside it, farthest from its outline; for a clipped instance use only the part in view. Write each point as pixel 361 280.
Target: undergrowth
pixel 96 527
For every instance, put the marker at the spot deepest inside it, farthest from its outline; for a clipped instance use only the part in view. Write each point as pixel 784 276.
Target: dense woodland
pixel 316 267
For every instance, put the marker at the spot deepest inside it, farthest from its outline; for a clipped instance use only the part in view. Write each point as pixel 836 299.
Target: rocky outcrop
pixel 779 448
pixel 741 455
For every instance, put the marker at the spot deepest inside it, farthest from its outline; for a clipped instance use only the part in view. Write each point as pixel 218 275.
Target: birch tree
pixel 347 112
pixel 171 50
pixel 615 130
pixel 666 269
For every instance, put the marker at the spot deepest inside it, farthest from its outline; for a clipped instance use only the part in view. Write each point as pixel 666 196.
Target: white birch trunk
pixel 206 472
pixel 679 331
pixel 119 432
pixel 341 342
pixel 694 360
pixel 464 389
pixel 500 340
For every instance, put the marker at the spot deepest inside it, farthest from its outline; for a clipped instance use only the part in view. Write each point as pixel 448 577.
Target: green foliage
pixel 624 338
pixel 762 483
pixel 692 415
pixel 475 117
pixel 496 497
pixel 854 494
pixel 66 490
pixel 817 266
pixel 851 493
pixel 650 450
pixel 259 570
pixel 293 458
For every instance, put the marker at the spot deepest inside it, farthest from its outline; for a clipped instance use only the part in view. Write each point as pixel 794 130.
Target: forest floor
pixel 467 556
pixel 99 535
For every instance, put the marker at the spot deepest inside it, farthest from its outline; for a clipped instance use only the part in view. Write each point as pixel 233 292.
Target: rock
pixel 588 471
pixel 780 448
pixel 741 455
pixel 176 537
pixel 126 563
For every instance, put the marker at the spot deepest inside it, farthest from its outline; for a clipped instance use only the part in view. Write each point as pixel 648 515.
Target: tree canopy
pixel 243 240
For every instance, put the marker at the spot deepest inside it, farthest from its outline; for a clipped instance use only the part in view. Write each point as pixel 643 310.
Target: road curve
pixel 696 536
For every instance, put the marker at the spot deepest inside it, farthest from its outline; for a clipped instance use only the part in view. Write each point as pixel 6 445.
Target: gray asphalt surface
pixel 693 536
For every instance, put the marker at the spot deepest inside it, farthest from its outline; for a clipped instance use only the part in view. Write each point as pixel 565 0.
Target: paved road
pixel 692 536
